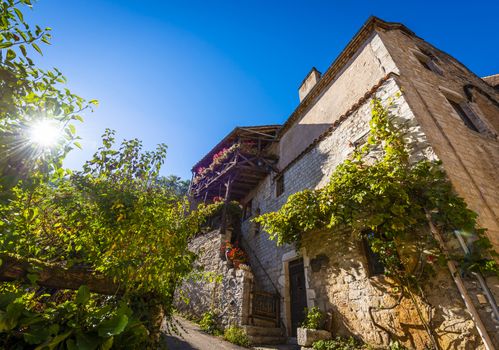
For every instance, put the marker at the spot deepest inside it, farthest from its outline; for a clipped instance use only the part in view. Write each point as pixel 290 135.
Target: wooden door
pixel 298 294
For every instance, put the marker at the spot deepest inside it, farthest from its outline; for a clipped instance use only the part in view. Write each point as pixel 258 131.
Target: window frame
pixel 279 185
pixel 375 266
pixel 427 60
pixel 248 210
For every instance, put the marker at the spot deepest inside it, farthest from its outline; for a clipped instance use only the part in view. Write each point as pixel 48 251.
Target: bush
pixel 314 318
pixel 339 343
pixel 208 323
pixel 236 335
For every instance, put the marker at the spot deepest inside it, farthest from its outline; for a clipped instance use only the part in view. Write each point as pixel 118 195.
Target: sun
pixel 44 133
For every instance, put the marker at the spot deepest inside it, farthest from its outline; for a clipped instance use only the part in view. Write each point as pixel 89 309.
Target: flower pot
pixel 306 337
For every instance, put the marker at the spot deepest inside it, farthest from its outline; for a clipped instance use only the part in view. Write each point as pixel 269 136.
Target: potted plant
pixel 311 329
pixel 237 256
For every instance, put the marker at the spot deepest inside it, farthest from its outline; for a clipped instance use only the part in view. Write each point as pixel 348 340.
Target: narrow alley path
pixel 191 337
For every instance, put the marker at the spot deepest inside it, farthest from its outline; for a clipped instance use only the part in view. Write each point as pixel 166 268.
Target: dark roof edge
pixel 227 138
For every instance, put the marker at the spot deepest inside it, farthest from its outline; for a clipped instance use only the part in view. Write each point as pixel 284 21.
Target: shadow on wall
pixel 199 294
pixel 298 139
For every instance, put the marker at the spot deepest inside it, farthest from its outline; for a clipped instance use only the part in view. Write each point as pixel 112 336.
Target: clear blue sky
pixel 187 72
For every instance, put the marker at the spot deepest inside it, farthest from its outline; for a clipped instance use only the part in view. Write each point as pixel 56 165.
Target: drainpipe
pixel 481 280
pixel 489 345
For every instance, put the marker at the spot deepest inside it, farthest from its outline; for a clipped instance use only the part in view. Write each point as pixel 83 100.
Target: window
pixel 374 264
pixel 257 224
pixel 428 60
pixel 248 210
pixel 465 115
pixel 279 185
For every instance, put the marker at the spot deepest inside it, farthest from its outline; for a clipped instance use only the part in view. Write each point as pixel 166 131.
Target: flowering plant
pixel 218 158
pixel 218 199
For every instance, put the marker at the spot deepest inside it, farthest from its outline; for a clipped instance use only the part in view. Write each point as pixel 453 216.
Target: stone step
pixel 263 323
pixel 263 331
pixel 266 340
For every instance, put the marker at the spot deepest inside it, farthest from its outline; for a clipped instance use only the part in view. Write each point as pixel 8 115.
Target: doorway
pixel 297 293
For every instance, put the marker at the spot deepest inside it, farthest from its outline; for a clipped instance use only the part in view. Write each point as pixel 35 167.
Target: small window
pixel 428 61
pixel 257 224
pixel 465 114
pixel 279 185
pixel 248 210
pixel 374 264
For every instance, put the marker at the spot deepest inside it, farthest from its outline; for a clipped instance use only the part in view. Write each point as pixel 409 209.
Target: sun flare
pixel 44 133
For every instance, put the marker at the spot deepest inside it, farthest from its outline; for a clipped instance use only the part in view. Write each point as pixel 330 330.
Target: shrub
pixel 339 343
pixel 208 323
pixel 236 335
pixel 314 318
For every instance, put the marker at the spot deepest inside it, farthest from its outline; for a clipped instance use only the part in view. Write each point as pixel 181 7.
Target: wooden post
pixel 223 225
pixel 489 345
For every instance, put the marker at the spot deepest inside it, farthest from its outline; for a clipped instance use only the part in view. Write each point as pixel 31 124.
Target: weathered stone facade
pixel 218 287
pixel 332 118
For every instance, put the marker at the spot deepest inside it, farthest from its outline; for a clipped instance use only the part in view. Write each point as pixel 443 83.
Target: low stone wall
pixel 223 290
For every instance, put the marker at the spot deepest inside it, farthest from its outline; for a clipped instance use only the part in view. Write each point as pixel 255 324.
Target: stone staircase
pixel 265 335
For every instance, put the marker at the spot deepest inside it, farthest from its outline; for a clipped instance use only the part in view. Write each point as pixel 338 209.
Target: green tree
pixel 28 95
pixel 91 258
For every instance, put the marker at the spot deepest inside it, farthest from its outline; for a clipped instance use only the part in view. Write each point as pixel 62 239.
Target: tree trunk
pixel 15 268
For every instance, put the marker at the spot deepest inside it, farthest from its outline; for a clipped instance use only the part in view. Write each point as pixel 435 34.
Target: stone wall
pixel 344 290
pixel 348 293
pixel 312 170
pixel 225 290
pixel 373 62
pixel 471 159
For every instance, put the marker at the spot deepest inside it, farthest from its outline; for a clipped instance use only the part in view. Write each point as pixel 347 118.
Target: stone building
pixel 446 112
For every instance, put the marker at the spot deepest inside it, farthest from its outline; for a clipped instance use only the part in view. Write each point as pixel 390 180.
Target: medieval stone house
pixel 447 113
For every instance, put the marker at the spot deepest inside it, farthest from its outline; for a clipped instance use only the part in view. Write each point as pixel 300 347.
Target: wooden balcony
pixel 236 165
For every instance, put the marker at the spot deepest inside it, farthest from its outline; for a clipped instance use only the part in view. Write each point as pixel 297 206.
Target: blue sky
pixel 187 72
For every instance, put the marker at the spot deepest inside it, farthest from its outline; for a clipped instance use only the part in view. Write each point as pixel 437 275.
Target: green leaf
pixel 107 344
pixel 6 322
pixel 87 341
pixel 115 325
pixel 72 129
pixel 83 295
pixel 77 144
pixel 33 277
pixel 23 50
pixel 19 14
pixel 71 345
pixel 11 54
pixel 5 45
pixel 51 344
pixel 37 48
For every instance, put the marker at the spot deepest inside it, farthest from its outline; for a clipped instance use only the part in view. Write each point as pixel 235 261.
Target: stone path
pixel 191 337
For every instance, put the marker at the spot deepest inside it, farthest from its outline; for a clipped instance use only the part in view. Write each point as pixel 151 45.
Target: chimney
pixel 309 82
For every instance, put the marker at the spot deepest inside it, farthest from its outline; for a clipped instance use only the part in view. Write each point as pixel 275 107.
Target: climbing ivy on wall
pixel 380 190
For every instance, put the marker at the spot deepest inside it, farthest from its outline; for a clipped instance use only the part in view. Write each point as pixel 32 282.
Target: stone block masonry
pixel 223 289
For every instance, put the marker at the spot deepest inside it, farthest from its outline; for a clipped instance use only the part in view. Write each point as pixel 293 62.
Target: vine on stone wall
pixel 380 193
pixel 380 190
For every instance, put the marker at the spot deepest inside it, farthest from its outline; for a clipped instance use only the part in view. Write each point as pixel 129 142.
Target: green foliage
pixel 208 323
pixel 379 190
pixel 100 218
pixel 30 94
pixel 66 320
pixel 179 186
pixel 338 343
pixel 236 335
pixel 116 219
pixel 314 318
